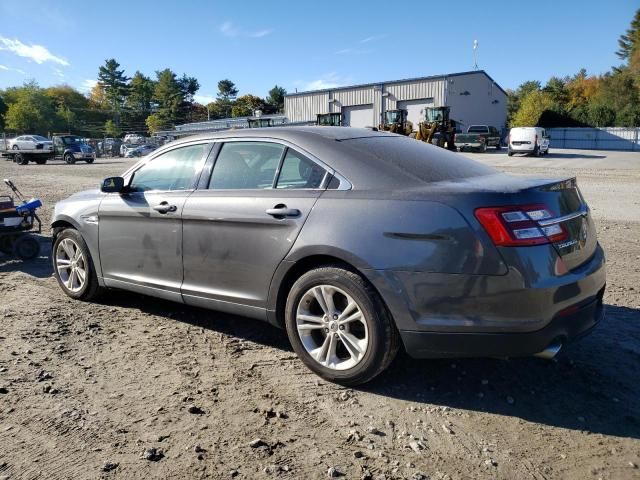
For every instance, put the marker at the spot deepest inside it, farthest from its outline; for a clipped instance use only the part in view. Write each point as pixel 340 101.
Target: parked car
pixel 71 148
pixel 355 241
pixel 127 147
pixel 531 140
pixel 478 137
pixel 31 142
pixel 110 147
pixel 140 151
pixel 133 138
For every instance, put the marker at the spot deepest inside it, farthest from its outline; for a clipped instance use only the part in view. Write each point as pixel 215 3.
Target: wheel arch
pixel 289 271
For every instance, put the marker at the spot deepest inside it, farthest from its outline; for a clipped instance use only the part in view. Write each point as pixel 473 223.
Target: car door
pixel 21 142
pixel 140 231
pixel 243 220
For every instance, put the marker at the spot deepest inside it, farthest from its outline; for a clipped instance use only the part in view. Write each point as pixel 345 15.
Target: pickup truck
pixel 478 137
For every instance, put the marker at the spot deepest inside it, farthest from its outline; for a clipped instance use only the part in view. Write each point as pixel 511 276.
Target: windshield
pixel 394 116
pixel 417 159
pixel 71 140
pixel 40 138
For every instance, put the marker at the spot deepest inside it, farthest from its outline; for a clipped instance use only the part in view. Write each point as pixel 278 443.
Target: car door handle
pixel 164 207
pixel 281 211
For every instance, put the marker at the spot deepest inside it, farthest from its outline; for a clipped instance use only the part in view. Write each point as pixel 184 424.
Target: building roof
pixel 415 79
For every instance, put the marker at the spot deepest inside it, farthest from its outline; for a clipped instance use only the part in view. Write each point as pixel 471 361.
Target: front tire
pixel 73 266
pixel 339 326
pixel 69 159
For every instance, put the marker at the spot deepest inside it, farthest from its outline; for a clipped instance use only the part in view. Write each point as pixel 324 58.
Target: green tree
pixel 601 115
pixel 115 84
pixel 557 90
pixel 246 105
pixel 275 99
pixel 227 90
pixel 141 89
pixel 3 111
pixel 111 129
pixel 168 96
pixel 629 42
pixel 531 108
pixel 515 97
pixel 219 109
pixel 619 92
pixel 30 109
pixel 189 86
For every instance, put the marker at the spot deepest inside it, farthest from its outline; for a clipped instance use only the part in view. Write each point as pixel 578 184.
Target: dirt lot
pixel 85 389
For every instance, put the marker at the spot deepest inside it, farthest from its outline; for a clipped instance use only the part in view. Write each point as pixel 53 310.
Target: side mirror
pixel 112 185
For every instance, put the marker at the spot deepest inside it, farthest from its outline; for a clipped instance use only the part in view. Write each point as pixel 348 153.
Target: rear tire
pixel 21 159
pixel 536 151
pixel 15 147
pixel 89 160
pixel 6 244
pixel 41 161
pixel 348 350
pixel 69 253
pixel 26 247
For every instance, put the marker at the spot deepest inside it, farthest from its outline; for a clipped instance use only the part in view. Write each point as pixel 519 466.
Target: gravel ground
pixel 135 387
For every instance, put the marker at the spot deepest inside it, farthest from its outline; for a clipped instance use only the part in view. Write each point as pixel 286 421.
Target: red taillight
pixel 518 225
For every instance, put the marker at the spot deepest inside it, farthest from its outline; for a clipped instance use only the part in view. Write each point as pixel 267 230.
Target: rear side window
pixel 173 170
pixel 299 172
pixel 246 165
pixel 417 159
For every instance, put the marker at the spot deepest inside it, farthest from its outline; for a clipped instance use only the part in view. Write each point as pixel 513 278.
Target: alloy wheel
pixel 71 265
pixel 332 327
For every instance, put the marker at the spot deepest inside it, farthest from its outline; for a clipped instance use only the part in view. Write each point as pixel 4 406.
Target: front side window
pixel 173 170
pixel 246 165
pixel 299 172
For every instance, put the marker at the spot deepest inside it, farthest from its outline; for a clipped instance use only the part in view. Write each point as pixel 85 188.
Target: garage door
pixel 358 116
pixel 415 109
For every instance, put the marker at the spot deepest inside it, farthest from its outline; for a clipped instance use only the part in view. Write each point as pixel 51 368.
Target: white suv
pixel 531 140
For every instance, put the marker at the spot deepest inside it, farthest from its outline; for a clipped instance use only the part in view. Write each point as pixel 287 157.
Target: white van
pixel 532 140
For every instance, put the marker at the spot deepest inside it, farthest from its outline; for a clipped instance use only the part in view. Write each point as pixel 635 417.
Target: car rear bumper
pixel 520 313
pixel 564 328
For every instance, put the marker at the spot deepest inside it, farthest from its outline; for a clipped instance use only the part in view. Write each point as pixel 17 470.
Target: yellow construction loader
pixel 437 126
pixel 395 121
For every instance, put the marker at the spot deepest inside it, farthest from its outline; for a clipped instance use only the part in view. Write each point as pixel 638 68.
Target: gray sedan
pixel 356 242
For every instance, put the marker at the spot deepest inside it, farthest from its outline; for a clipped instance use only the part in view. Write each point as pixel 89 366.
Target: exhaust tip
pixel 550 352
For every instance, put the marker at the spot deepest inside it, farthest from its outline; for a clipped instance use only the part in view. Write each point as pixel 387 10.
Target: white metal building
pixel 474 98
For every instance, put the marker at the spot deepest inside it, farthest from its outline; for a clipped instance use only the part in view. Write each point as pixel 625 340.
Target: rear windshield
pixel 418 159
pixel 478 128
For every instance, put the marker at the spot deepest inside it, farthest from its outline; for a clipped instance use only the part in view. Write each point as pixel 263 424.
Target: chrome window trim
pixel 329 171
pixel 564 218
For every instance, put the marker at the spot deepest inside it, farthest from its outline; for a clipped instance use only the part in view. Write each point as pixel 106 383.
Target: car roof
pixel 356 153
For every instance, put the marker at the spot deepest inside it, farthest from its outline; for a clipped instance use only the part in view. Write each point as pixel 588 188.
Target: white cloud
pixel 37 53
pixel 329 80
pixel 204 99
pixel 372 38
pixel 262 33
pixel 352 51
pixel 9 69
pixel 58 73
pixel 228 29
pixel 87 85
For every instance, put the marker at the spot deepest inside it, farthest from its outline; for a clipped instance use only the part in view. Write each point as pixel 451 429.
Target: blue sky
pixel 307 45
